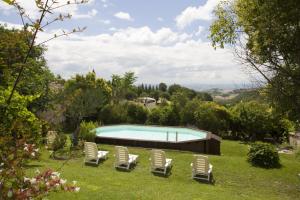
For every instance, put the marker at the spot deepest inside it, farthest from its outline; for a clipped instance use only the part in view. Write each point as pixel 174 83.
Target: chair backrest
pixel 51 135
pixel 122 156
pixel 158 158
pixel 201 164
pixel 90 150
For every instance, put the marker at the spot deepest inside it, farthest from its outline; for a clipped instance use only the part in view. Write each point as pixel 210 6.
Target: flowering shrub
pixel 30 151
pixel 13 184
pixel 39 186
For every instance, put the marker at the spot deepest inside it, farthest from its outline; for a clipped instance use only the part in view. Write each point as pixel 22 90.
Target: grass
pixel 234 177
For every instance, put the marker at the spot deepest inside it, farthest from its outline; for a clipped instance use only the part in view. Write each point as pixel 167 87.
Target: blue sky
pixel 161 41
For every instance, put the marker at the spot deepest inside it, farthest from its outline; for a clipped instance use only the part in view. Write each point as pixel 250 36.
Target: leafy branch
pixel 45 8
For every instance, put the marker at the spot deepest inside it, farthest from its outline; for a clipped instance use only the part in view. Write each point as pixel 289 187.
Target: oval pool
pixel 153 133
pixel 159 137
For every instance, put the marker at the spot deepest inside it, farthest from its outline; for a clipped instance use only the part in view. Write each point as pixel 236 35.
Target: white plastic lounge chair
pixel 123 158
pixel 159 162
pixel 92 155
pixel 201 169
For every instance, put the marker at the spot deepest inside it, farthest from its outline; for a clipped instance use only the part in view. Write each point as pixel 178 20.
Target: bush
pixel 59 142
pixel 212 117
pixel 87 131
pixel 113 114
pixel 154 116
pixel 136 114
pixel 164 115
pixel 169 116
pixel 263 155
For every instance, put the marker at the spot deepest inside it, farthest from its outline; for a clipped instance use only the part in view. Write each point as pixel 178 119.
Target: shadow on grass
pixel 131 168
pixel 33 165
pixel 278 166
pixel 169 173
pixel 212 180
pixel 101 161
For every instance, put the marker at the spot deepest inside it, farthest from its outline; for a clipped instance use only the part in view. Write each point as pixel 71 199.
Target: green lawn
pixel 234 177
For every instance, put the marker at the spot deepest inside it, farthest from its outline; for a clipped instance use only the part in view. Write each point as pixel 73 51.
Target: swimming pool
pixel 159 137
pixel 153 133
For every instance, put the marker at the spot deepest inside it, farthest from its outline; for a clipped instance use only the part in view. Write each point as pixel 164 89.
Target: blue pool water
pixel 150 133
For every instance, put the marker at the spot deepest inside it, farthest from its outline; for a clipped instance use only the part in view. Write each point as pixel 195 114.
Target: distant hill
pixel 235 96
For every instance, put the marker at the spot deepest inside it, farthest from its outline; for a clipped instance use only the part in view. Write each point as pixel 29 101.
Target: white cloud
pixel 160 19
pixel 106 22
pixel 199 31
pixel 155 56
pixel 191 14
pixel 163 55
pixel 145 36
pixel 112 29
pixel 90 14
pixel 124 16
pixel 11 25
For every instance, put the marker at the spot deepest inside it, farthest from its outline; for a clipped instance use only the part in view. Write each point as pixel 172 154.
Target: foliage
pixel 16 119
pixel 263 155
pixel 254 121
pixel 187 115
pixel 122 86
pixel 123 113
pixel 38 186
pixel 163 87
pixel 154 116
pixel 24 77
pixel 266 37
pixel 84 97
pixel 87 131
pixel 169 116
pixel 59 142
pixel 36 75
pixel 174 88
pixel 166 115
pixel 113 114
pixel 212 117
pixel 136 114
pixel 165 95
pixel 179 99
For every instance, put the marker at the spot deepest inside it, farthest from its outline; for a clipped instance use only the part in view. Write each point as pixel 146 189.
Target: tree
pixel 18 129
pixel 163 87
pixel 36 75
pixel 136 114
pixel 84 97
pixel 155 94
pixel 121 86
pixel 265 35
pixel 19 122
pixel 212 117
pixel 187 114
pixel 255 120
pixel 174 88
pixel 179 99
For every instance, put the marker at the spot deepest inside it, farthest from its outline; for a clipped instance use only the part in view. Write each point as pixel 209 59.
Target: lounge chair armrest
pixel 210 168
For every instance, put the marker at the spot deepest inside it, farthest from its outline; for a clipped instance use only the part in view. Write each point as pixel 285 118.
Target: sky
pixel 161 41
